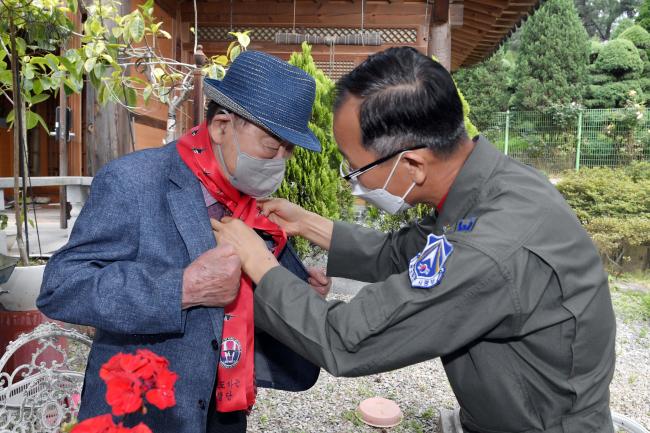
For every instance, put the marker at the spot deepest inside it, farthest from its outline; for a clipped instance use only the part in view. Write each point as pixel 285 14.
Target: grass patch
pixel 428 414
pixel 638 277
pixel 631 305
pixel 350 415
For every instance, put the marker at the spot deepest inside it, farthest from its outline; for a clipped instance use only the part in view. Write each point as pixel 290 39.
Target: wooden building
pixel 459 32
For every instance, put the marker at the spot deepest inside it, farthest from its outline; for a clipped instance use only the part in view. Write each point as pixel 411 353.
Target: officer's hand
pixel 320 282
pixel 256 259
pixel 284 213
pixel 212 280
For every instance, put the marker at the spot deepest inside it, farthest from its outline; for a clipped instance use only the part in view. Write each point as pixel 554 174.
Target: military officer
pixel 500 281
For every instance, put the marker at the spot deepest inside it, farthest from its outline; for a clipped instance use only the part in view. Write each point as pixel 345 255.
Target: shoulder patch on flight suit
pixel 427 268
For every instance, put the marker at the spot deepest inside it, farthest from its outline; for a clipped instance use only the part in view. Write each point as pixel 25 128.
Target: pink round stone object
pixel 379 412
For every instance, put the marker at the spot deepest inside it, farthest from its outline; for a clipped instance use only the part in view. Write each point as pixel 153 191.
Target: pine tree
pixel 312 179
pixel 643 19
pixel 486 88
pixel 551 68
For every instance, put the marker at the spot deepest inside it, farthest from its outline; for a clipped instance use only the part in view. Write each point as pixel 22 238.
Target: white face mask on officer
pixel 381 197
pixel 256 177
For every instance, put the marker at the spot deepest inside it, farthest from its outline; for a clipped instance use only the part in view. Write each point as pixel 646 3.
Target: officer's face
pixel 253 141
pixel 347 132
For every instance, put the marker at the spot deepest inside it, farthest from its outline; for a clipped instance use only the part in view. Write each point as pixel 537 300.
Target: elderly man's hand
pixel 212 280
pixel 256 259
pixel 320 282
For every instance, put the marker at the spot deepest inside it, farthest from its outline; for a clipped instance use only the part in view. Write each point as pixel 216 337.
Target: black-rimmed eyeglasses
pixel 349 175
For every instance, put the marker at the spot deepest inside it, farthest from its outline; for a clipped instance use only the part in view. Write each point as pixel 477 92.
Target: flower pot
pixel 3 242
pixel 14 323
pixel 22 289
pixel 18 299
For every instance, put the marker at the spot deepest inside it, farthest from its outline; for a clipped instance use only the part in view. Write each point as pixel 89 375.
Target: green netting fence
pixel 554 143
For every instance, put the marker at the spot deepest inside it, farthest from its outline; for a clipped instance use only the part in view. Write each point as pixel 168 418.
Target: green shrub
pixel 386 222
pixel 638 171
pixel 638 36
pixel 600 78
pixel 614 207
pixel 594 49
pixel 612 94
pixel 312 179
pixel 615 236
pixel 607 192
pixel 619 57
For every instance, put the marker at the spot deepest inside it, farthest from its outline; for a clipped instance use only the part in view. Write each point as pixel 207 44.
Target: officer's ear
pixel 416 165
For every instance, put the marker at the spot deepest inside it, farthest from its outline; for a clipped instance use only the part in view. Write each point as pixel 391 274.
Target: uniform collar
pixel 464 191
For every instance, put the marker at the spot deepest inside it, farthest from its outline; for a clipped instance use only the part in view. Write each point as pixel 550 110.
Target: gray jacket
pixel 515 303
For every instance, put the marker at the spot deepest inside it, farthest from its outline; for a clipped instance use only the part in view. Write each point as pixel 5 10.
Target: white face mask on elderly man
pixel 254 176
pixel 380 197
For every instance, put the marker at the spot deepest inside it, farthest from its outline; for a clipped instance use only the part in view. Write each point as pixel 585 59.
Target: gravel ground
pixel 423 388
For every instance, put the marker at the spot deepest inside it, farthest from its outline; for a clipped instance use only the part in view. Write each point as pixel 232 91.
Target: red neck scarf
pixel 236 371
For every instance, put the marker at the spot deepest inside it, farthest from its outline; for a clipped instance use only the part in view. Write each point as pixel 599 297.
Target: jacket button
pixel 215 344
pixel 202 404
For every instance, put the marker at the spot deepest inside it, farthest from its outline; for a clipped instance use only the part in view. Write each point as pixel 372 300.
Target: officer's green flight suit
pixel 522 317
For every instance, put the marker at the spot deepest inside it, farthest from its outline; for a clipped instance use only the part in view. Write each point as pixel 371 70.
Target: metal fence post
pixel 579 141
pixel 505 145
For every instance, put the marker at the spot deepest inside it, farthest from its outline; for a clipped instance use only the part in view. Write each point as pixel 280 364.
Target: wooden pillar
pixel 199 102
pixel 62 138
pixel 108 133
pixel 440 33
pixel 75 152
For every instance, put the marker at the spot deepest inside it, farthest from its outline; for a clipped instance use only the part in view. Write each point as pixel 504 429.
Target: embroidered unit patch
pixel 428 267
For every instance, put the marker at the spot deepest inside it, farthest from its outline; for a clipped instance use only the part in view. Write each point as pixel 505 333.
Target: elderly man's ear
pixel 218 126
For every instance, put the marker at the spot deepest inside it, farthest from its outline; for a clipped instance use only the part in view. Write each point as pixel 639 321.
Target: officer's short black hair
pixel 408 99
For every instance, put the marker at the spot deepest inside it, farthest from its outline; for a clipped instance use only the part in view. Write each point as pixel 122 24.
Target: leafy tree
pixel 312 179
pixel 621 25
pixel 486 88
pixel 643 19
pixel 551 68
pixel 599 16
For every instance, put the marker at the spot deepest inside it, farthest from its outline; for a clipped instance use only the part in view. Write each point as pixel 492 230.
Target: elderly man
pixel 143 268
pixel 500 281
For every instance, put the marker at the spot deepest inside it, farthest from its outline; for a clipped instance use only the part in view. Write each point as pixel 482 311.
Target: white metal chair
pixel 40 396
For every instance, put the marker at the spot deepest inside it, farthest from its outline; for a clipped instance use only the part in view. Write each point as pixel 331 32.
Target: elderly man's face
pixel 347 132
pixel 253 140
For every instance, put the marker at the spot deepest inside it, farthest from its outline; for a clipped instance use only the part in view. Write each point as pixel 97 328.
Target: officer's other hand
pixel 212 280
pixel 319 281
pixel 284 213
